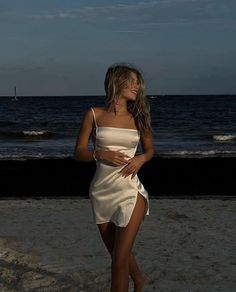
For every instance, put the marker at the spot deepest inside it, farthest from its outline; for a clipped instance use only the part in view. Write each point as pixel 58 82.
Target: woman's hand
pixel 114 157
pixel 133 166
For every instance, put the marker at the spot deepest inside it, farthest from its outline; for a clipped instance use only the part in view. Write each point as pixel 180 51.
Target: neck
pixel 121 107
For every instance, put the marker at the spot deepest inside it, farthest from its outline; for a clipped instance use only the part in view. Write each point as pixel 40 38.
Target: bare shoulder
pixel 99 111
pixel 88 114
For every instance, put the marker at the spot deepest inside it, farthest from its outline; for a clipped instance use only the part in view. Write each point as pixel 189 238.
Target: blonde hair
pixel 117 77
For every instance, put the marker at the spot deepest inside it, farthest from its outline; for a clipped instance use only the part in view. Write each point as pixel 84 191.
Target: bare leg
pixel 107 231
pixel 139 278
pixel 124 240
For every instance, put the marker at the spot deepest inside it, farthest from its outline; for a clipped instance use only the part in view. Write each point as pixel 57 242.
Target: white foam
pixel 34 133
pixel 200 153
pixel 224 138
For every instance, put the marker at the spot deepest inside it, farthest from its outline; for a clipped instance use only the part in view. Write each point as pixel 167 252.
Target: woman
pixel 119 200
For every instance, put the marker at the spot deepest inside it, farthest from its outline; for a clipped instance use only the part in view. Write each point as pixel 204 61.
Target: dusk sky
pixel 64 47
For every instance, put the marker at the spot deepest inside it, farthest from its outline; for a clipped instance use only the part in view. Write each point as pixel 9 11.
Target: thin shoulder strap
pixel 94 117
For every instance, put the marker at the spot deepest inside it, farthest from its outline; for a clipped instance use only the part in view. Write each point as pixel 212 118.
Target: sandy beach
pixel 53 245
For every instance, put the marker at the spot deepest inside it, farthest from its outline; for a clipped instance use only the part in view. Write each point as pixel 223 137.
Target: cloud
pixel 96 11
pixel 149 13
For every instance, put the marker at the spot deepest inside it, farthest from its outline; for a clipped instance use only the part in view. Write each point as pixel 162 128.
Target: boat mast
pixel 15 97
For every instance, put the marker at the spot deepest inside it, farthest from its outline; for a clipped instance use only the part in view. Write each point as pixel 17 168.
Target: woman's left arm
pixel 136 162
pixel 147 146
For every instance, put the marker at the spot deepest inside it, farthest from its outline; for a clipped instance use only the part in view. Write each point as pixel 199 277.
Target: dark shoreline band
pixel 167 177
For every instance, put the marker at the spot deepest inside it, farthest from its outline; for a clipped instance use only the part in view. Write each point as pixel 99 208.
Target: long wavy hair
pixel 118 76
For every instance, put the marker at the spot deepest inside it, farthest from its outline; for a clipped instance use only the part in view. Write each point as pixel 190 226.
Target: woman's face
pixel 131 90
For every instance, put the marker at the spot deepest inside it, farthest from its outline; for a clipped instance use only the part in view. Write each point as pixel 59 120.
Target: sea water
pixel 183 125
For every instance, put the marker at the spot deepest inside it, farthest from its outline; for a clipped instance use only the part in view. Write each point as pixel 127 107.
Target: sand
pixel 184 245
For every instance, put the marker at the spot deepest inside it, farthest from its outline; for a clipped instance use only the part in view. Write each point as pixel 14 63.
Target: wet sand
pixel 161 177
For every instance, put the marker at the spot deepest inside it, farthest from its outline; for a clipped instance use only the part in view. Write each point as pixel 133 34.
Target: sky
pixel 64 47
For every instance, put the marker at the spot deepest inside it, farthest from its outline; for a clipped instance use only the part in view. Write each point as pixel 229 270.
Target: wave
pixel 27 135
pixel 224 138
pixel 22 157
pixel 165 154
pixel 199 153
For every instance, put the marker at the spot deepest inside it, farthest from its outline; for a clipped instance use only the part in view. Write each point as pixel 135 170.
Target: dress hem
pixel 146 213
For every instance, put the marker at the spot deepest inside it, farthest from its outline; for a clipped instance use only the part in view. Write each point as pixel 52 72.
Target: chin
pixel 132 98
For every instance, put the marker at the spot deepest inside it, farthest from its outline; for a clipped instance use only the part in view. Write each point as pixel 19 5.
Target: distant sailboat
pixel 15 96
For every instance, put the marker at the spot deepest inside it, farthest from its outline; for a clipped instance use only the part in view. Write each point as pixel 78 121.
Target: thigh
pixel 107 231
pixel 125 236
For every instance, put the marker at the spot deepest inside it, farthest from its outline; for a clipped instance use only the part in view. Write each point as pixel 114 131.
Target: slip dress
pixel 113 196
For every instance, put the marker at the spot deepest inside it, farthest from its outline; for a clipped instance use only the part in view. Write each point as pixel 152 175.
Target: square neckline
pixel 117 128
pixel 107 127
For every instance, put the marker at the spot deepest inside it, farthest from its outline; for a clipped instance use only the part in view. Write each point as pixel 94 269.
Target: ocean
pixel 184 125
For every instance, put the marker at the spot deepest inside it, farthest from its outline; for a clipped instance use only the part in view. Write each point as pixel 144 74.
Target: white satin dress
pixel 113 196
